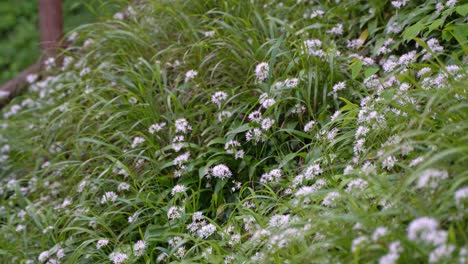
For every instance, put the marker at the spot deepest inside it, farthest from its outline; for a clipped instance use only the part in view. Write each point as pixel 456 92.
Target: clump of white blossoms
pixel 312 47
pixel 182 125
pixel 221 171
pixel 255 116
pixel 461 195
pixel 218 98
pixel 272 176
pixel 425 229
pixel 357 184
pixel 331 199
pixel 233 147
pixel 261 71
pixel 118 257
pixel 278 221
pixel 267 123
pixel 178 189
pixel 394 251
pixel 156 127
pixel 190 75
pixel 175 212
pixel 338 87
pixel 206 231
pixel 102 243
pixel 123 186
pixel 312 171
pixel 308 127
pixel 137 141
pixel 109 196
pixel 431 178
pixel 266 101
pixel 139 248
pixel 255 134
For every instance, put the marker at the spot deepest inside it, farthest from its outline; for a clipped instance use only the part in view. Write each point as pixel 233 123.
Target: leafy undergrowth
pixel 245 132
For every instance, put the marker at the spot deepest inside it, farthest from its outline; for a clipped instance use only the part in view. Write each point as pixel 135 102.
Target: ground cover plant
pixel 245 132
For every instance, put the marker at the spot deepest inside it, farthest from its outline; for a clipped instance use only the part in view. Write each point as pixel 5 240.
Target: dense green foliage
pixel 19 34
pixel 245 132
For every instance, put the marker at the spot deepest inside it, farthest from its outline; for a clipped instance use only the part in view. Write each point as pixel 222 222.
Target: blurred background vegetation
pixel 19 34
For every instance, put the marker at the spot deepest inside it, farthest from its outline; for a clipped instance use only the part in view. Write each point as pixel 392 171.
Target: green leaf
pixel 355 67
pixel 436 24
pixel 462 10
pixel 370 71
pixel 411 32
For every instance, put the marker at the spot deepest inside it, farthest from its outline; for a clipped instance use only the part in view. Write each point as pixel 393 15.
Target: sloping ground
pixel 246 132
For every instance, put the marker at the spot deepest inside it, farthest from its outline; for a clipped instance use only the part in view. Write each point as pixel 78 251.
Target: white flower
pixel 424 229
pixel 119 16
pixel 123 186
pixel 338 87
pixel 218 98
pixel 308 126
pixel 461 195
pixel 279 220
pixel 416 161
pixel 118 258
pixel 221 171
pixel 255 135
pixel 181 159
pixel 357 242
pixel 399 3
pixel 291 83
pixel 336 30
pixel 358 184
pixel 272 176
pixel 208 34
pixel 109 196
pixel 389 162
pixel 266 101
pixel 335 115
pixel 267 123
pixel 441 252
pixel 261 71
pixel 156 127
pixel 368 168
pixel 378 233
pixel 175 212
pixel 393 255
pixel 30 78
pixel 102 243
pixel 182 125
pixel 206 231
pixel 190 75
pixel 43 256
pixel 431 178
pixel 139 248
pixel 178 189
pixel 224 115
pixel 255 116
pixel 312 47
pixel 331 199
pixel 137 141
pixel 312 171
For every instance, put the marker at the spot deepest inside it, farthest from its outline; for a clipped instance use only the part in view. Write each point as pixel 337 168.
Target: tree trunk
pixel 50 26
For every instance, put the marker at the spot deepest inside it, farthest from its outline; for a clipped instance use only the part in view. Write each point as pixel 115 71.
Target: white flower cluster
pixel 431 178
pixel 178 189
pixel 313 48
pixel 331 199
pixel 175 212
pixel 156 127
pixel 218 98
pixel 139 248
pixel 118 257
pixel 102 243
pixel 137 141
pixel 221 171
pixel 233 147
pixel 109 197
pixel 261 71
pixel 357 184
pixel 190 75
pixel 272 176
